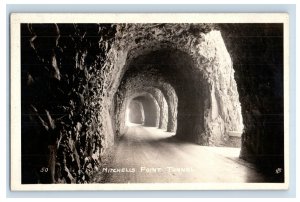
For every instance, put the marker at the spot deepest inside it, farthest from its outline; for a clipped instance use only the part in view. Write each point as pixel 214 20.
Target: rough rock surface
pixel 65 120
pixel 257 54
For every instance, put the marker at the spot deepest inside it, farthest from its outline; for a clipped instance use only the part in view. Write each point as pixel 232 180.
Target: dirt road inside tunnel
pixel 150 155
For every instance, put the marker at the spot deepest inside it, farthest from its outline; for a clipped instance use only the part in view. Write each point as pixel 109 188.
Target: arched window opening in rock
pixel 135 113
pixel 151 110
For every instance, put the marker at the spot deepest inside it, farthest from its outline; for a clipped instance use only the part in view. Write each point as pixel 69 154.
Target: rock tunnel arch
pixel 163 106
pixel 94 107
pixel 153 97
pixel 199 113
pixel 149 104
pixel 221 110
pixel 151 109
pixel 152 65
pixel 161 102
pixel 158 88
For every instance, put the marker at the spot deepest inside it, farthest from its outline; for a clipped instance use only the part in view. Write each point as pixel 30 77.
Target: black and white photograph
pixel 149 101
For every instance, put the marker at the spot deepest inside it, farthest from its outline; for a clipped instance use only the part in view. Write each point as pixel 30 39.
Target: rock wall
pixel 224 111
pixel 257 54
pixel 163 122
pixel 65 116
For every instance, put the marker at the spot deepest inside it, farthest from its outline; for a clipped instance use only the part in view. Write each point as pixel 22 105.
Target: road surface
pixel 148 154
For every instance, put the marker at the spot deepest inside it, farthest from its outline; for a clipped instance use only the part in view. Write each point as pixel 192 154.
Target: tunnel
pixel 186 85
pixel 92 92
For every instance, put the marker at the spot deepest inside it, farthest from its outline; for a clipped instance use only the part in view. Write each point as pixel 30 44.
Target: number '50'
pixel 44 170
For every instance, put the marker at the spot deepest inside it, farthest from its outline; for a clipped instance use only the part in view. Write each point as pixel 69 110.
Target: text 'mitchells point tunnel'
pixel 85 85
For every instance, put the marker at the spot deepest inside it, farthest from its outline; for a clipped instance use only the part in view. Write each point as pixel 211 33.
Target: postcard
pixel 156 101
